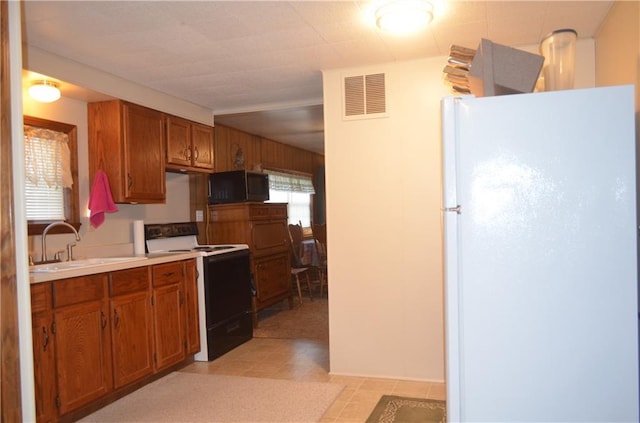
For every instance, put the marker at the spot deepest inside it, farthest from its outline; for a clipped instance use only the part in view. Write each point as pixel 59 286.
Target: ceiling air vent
pixel 365 96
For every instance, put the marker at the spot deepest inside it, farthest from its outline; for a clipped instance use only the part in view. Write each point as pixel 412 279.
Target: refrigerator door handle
pixel 456 209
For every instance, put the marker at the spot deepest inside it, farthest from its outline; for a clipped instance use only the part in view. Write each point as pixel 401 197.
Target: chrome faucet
pixel 44 238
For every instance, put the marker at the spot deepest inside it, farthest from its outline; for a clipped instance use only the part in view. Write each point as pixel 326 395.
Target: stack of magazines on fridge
pixel 457 68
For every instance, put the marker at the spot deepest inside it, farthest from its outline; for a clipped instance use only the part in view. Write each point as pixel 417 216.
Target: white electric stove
pixel 181 237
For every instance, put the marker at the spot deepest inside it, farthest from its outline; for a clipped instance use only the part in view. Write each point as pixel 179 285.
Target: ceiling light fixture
pixel 404 16
pixel 44 91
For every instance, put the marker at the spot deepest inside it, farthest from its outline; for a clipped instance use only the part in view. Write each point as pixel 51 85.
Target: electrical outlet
pixel 199 216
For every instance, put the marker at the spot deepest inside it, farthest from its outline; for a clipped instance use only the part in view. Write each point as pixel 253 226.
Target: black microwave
pixel 237 186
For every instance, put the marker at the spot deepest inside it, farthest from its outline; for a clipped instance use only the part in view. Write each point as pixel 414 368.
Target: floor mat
pixel 395 409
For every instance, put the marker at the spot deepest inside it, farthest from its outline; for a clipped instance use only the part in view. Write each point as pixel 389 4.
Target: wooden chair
pixel 320 239
pixel 320 233
pixel 297 268
pixel 319 268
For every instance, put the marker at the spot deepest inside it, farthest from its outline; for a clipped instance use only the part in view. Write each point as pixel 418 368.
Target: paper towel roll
pixel 138 237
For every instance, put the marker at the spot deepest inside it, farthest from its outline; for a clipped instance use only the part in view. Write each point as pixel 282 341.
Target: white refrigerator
pixel 540 231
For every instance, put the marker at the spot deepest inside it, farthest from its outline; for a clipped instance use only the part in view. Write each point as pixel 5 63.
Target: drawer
pixel 259 212
pixel 40 297
pixel 278 211
pixel 168 273
pixel 268 211
pixel 225 336
pixel 129 281
pixel 78 290
pixel 269 235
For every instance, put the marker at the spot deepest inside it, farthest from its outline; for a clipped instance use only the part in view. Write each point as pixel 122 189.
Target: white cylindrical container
pixel 559 51
pixel 138 237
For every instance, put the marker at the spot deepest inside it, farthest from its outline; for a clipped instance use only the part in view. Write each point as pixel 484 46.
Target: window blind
pixel 281 181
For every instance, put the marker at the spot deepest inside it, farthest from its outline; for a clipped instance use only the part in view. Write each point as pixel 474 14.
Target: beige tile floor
pixel 308 360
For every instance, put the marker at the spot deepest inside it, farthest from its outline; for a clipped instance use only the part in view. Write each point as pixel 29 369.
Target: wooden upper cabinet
pixel 179 151
pixel 127 142
pixel 202 140
pixel 189 146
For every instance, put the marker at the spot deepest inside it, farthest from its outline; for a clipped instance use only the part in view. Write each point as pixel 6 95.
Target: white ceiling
pixel 257 64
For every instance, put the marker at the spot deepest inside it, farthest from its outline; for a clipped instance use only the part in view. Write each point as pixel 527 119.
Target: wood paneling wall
pixel 256 153
pixel 260 153
pixel 228 143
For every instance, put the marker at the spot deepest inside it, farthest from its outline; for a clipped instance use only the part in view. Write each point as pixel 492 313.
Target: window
pixel 51 180
pixel 299 208
pixel 295 190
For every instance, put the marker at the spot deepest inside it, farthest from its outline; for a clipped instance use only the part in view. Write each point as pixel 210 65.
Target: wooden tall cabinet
pixel 127 142
pixel 262 226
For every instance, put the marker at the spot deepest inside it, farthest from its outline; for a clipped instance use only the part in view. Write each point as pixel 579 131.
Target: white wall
pixel 618 47
pixel 383 221
pixel 115 236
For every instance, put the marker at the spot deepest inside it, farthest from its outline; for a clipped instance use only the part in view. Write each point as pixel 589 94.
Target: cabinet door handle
pixel 129 181
pixel 45 338
pixel 167 274
pixel 104 319
pixel 116 318
pixel 196 153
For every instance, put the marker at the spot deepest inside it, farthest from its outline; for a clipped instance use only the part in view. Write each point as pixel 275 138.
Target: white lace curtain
pixel 281 181
pixel 47 157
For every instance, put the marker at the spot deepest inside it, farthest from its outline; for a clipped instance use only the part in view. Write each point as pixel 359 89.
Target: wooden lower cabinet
pixel 43 352
pixel 169 314
pixel 98 334
pixel 131 325
pixel 131 338
pixel 83 363
pixel 82 332
pixel 272 276
pixel 168 326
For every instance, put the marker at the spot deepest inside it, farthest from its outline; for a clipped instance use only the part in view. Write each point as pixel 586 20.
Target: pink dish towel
pixel 100 199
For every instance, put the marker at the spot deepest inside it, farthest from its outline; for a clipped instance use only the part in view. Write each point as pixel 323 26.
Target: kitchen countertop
pixel 151 259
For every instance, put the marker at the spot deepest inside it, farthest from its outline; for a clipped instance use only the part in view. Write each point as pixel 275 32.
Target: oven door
pixel 227 286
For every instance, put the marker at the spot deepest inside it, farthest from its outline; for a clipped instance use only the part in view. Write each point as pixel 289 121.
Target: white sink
pixel 75 264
